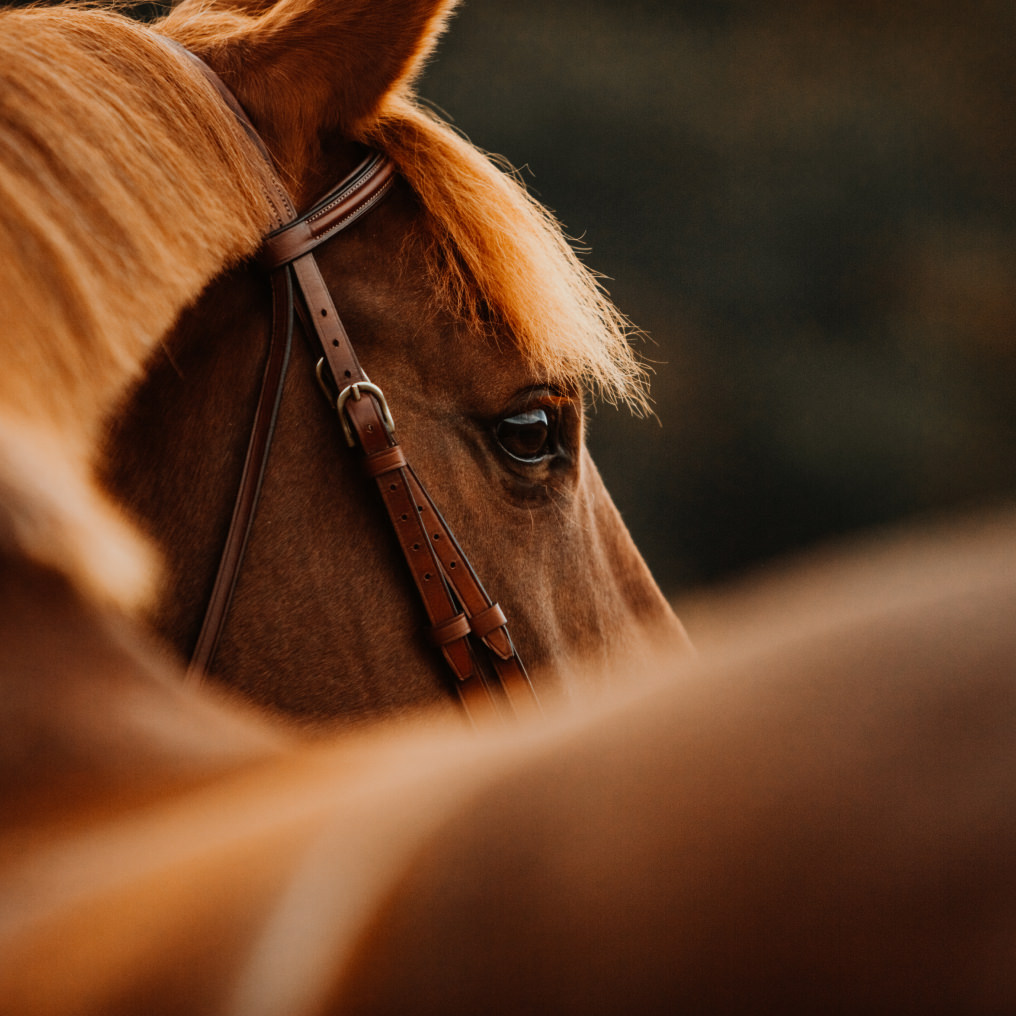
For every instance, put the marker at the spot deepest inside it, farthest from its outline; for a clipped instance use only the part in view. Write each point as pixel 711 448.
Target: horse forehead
pixel 391 304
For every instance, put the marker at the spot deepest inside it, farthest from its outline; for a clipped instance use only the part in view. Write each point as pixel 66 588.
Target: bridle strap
pixel 468 628
pixel 255 463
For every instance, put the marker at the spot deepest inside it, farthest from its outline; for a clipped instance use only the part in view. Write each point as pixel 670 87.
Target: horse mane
pixel 115 213
pixel 124 187
pixel 119 200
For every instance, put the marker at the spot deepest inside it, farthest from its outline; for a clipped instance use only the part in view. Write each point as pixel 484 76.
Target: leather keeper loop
pixel 487 620
pixel 286 244
pixel 454 628
pixel 351 199
pixel 386 461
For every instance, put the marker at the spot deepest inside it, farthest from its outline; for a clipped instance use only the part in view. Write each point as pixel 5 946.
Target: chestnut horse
pixel 469 309
pixel 814 815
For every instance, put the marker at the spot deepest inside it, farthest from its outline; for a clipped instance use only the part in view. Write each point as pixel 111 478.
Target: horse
pixel 814 813
pixel 467 306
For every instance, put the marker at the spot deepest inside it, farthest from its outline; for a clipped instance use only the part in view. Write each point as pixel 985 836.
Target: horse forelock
pixel 499 255
pixel 126 185
pixel 305 69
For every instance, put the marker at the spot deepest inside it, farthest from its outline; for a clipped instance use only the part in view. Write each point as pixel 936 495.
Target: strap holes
pixel 427 577
pixel 451 564
pixel 392 486
pixel 335 342
pixel 437 536
pixel 416 546
pixel 324 312
pixel 347 373
pixel 405 517
pixel 419 507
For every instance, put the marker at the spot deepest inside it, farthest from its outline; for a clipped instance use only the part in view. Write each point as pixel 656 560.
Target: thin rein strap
pixel 465 624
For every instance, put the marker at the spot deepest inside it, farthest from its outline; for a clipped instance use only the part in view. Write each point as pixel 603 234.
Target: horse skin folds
pixel 813 815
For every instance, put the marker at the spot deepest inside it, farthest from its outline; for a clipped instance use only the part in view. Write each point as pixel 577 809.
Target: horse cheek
pixel 627 608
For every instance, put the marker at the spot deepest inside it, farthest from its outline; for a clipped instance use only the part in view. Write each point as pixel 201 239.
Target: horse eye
pixel 526 436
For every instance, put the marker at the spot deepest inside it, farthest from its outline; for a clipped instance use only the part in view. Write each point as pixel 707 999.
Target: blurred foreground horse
pixel 816 816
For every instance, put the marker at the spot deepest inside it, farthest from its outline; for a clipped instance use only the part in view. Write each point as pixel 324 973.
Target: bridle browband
pixel 467 627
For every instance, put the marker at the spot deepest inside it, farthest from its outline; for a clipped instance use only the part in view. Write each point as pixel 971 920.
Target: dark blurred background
pixel 809 207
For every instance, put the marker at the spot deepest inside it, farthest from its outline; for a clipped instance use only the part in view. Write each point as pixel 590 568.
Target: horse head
pixel 471 311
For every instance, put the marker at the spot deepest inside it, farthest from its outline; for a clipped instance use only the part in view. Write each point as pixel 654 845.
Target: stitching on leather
pixel 355 213
pixel 354 186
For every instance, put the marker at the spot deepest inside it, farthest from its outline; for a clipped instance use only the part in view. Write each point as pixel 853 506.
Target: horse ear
pixel 304 67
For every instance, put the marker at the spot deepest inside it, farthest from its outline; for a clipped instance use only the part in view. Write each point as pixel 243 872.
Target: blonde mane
pixel 116 212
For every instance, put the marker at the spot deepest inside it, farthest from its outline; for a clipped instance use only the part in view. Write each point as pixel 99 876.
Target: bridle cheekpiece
pixel 466 625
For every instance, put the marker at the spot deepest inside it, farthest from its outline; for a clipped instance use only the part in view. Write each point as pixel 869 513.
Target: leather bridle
pixel 466 625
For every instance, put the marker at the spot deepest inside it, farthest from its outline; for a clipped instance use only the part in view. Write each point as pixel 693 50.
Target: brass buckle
pixel 355 391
